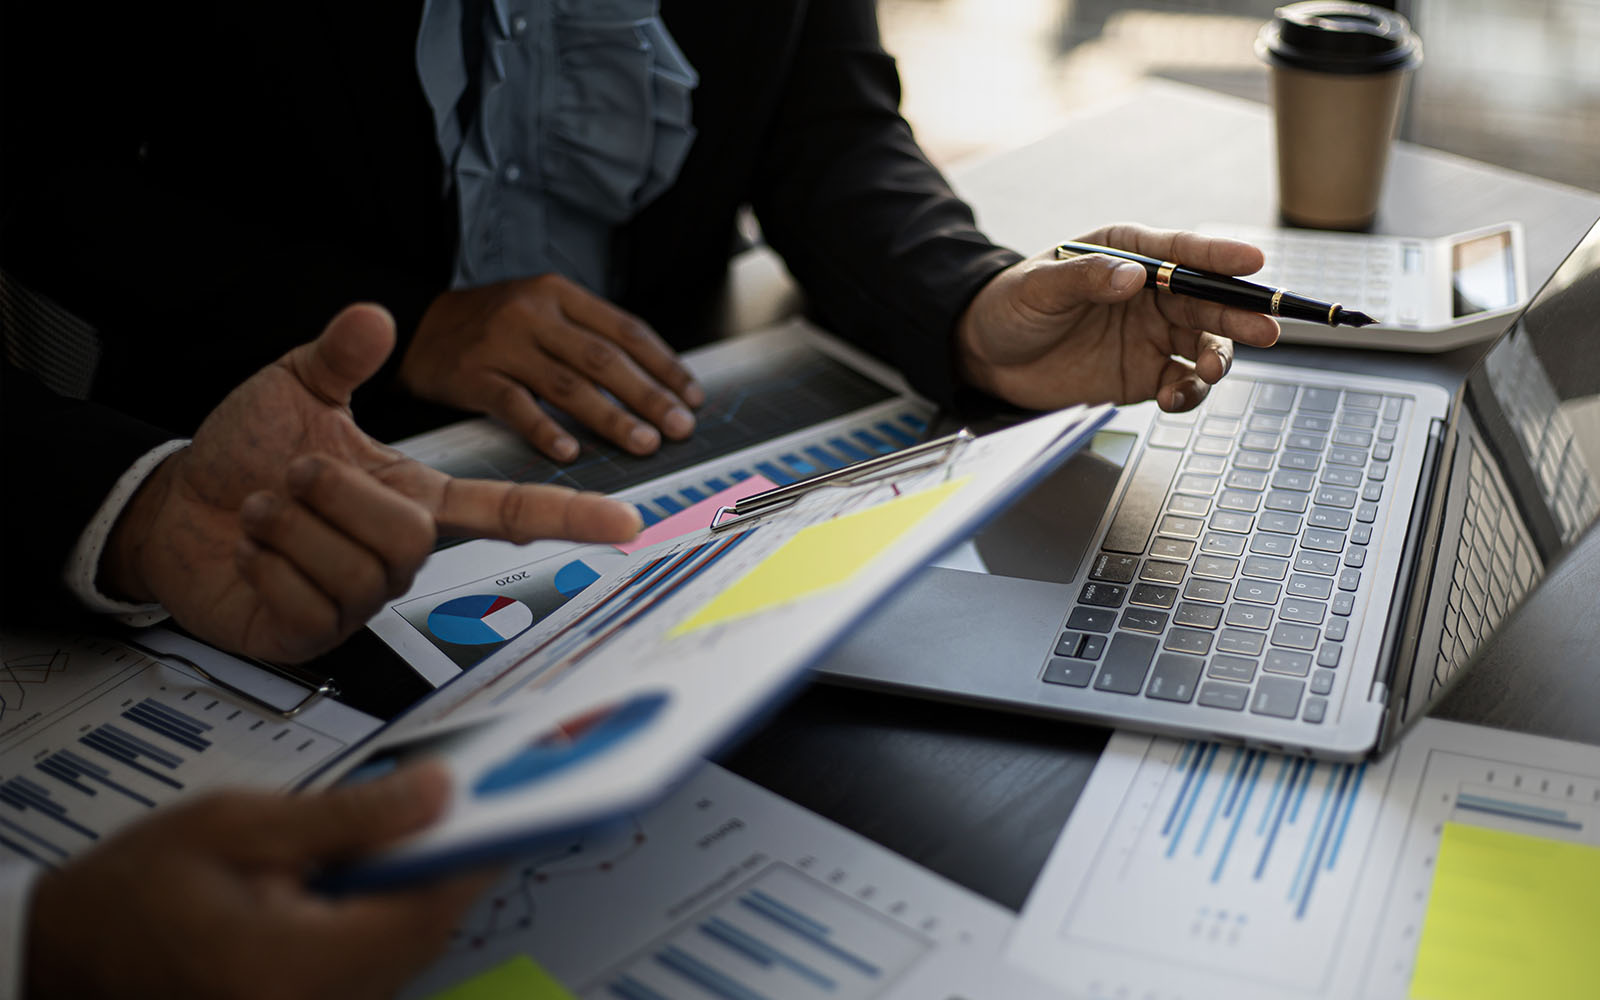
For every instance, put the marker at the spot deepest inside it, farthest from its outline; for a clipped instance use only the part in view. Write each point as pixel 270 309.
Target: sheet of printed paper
pixel 94 734
pixel 722 888
pixel 604 702
pixel 1193 869
pixel 781 405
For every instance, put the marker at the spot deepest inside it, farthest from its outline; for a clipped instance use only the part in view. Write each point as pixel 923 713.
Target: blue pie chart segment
pixel 571 743
pixel 573 577
pixel 479 619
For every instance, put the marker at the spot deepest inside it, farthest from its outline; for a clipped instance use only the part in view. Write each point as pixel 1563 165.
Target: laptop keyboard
pixel 1494 569
pixel 1228 577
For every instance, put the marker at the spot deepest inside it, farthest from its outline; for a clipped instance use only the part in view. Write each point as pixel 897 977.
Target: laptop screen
pixel 1521 471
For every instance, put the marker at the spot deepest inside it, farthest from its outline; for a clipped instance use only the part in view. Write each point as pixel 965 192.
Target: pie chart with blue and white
pixel 479 619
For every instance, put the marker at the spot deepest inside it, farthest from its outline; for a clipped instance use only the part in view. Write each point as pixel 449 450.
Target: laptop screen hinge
pixel 1401 633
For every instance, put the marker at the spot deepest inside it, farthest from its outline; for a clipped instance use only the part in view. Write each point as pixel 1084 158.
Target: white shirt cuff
pixel 83 567
pixel 16 889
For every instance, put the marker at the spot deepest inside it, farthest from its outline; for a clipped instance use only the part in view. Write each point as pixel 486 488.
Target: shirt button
pixel 513 173
pixel 519 25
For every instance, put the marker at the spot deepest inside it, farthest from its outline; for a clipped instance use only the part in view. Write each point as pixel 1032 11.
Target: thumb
pixel 350 350
pixel 1092 277
pixel 347 821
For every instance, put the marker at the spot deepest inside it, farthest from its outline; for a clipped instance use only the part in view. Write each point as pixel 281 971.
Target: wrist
pixel 48 960
pixel 122 574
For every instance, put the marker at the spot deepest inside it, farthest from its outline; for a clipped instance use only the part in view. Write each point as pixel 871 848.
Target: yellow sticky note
pixel 519 978
pixel 820 556
pixel 1510 916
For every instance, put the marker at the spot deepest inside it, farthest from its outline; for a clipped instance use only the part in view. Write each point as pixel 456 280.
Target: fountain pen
pixel 1225 290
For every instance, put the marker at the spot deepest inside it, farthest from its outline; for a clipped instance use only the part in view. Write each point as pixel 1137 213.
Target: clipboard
pixel 602 708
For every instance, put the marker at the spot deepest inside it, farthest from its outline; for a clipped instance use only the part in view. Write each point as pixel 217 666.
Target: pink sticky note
pixel 697 516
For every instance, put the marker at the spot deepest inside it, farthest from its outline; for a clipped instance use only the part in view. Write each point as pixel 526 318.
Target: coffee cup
pixel 1339 76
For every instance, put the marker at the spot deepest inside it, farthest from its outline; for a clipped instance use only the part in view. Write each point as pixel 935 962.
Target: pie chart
pixel 479 619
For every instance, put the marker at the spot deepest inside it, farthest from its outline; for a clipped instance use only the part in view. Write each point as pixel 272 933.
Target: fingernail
pixel 257 507
pixel 678 422
pixel 693 394
pixel 565 449
pixel 301 472
pixel 643 439
pixel 1127 275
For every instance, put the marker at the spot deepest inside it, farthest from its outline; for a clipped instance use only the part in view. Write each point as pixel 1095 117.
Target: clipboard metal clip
pixel 318 689
pixel 940 451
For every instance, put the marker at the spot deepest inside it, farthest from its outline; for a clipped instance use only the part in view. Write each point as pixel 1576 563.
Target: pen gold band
pixel 1164 275
pixel 1277 298
pixel 1331 310
pixel 1067 253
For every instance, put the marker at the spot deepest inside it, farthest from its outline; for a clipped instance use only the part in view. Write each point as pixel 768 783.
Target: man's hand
pixel 283 527
pixel 501 348
pixel 209 899
pixel 1046 333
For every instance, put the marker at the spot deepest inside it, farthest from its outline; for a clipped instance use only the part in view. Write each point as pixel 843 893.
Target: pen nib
pixel 1350 317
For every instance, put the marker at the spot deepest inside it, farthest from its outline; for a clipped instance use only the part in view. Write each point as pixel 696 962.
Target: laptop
pixel 1305 563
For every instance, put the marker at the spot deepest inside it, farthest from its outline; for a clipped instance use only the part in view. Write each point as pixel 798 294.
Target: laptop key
pixel 1273 545
pixel 1323 540
pixel 1328 654
pixel 1340 475
pixel 1239 524
pixel 1157 571
pixel 1144 620
pixel 1141 505
pixel 1180 527
pixel 1283 661
pixel 1174 677
pixel 1214 568
pixel 1328 517
pixel 1103 595
pixel 1240 643
pixel 1363 400
pixel 1245 479
pixel 1265 567
pixel 1092 619
pixel 1171 548
pixel 1287 501
pixel 1336 629
pixel 1217 543
pixel 1218 694
pixel 1321 681
pixel 1258 461
pixel 1318 588
pixel 1335 496
pixel 1213 591
pixel 1232 668
pixel 1249 616
pixel 1188 640
pixel 1321 563
pixel 1349 579
pixel 1280 523
pixel 1361 534
pixel 1183 503
pixel 1258 591
pixel 1197 615
pixel 1294 636
pixel 1110 567
pixel 1072 673
pixel 1153 595
pixel 1312 422
pixel 1305 612
pixel 1275 397
pixel 1344 603
pixel 1300 461
pixel 1355 556
pixel 1278 696
pixel 1316 710
pixel 1301 441
pixel 1127 660
pixel 1321 400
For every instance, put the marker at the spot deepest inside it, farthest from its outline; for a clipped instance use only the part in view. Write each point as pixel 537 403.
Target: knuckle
pixel 561 382
pixel 599 357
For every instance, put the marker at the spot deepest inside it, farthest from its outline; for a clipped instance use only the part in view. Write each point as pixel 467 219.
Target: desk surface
pixel 980 796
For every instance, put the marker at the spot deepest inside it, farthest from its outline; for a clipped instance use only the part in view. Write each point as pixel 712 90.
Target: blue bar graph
pixel 1516 810
pixel 704 976
pixel 647 515
pixel 23 795
pixel 847 449
pixel 800 465
pixel 775 474
pixel 629 988
pixel 667 504
pixel 691 494
pixel 895 434
pixel 805 927
pixel 760 952
pixel 825 460
pixel 68 765
pixel 130 751
pixel 877 444
pixel 168 722
pixel 717 484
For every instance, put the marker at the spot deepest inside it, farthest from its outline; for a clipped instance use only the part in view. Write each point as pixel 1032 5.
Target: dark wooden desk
pixel 980 796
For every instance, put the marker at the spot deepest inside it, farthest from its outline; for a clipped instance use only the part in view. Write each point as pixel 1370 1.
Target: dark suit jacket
pixel 60 458
pixel 207 187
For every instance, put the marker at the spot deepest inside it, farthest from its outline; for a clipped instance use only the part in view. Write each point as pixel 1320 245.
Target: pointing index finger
pixel 1207 253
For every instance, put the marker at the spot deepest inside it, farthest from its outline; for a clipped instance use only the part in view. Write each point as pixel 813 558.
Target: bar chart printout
pixel 104 734
pixel 1203 869
pixel 724 891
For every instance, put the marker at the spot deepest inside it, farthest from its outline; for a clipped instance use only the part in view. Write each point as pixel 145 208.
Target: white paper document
pixel 94 734
pixel 723 890
pixel 605 704
pixel 780 405
pixel 1193 869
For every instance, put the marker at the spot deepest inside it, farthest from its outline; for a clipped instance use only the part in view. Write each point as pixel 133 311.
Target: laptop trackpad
pixel 954 632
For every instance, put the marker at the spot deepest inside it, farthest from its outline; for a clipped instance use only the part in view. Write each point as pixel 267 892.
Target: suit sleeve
pixel 888 255
pixel 61 458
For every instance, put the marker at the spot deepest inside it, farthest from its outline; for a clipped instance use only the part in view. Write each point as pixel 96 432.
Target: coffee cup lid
pixel 1329 36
